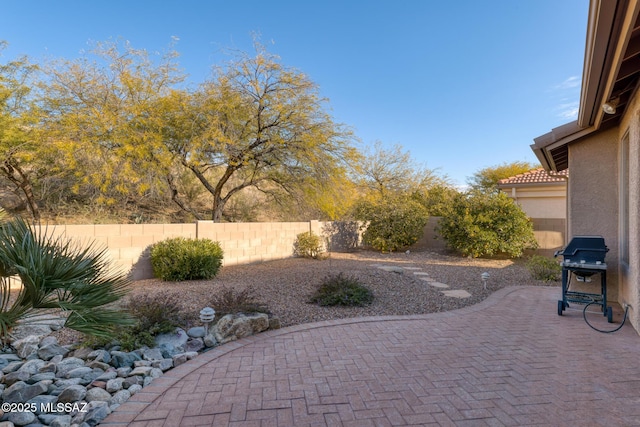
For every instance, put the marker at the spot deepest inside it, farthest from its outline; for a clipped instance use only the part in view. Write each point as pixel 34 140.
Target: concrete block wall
pixel 128 245
pixel 245 243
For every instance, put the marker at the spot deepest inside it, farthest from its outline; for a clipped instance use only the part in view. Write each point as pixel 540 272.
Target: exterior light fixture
pixel 610 106
pixel 484 276
pixel 207 315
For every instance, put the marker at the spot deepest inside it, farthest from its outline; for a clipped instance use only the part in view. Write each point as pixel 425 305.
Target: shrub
pixel 186 259
pixel 153 314
pixel 231 301
pixel 308 245
pixel 342 290
pixel 57 276
pixel 157 313
pixel 392 223
pixel 485 224
pixel 543 268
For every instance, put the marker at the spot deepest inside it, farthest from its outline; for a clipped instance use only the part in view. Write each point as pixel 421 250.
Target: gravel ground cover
pixel 285 286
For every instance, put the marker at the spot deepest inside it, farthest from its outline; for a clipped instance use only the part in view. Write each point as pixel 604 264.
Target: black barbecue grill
pixel 584 257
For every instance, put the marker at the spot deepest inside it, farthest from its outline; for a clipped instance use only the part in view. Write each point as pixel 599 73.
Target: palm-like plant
pixel 57 276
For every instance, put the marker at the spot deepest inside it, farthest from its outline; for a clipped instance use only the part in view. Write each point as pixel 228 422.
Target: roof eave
pixel 609 28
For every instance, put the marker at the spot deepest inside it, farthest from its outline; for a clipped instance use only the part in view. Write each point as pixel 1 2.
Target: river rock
pixel 48 351
pixel 98 394
pixel 21 392
pixel 68 364
pixel 26 345
pixel 175 340
pixel 21 418
pixel 72 394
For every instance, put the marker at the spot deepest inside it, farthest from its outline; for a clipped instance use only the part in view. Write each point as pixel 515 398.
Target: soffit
pixel 611 70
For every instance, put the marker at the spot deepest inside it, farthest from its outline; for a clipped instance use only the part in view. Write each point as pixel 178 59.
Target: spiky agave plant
pixel 57 275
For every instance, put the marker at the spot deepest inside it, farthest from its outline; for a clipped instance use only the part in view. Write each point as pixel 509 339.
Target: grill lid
pixel 588 249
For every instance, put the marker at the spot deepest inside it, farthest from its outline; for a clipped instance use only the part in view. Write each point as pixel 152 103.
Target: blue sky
pixel 462 85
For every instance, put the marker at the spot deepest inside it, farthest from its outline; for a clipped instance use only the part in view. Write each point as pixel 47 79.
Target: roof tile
pixel 536 176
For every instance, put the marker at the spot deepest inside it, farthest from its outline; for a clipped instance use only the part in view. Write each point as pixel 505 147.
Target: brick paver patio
pixel 508 361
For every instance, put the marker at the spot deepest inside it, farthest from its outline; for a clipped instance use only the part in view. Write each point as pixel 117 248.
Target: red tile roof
pixel 536 176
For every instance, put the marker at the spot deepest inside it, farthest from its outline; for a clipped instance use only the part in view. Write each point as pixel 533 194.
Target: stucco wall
pixel 542 201
pixel 630 275
pixel 593 196
pixel 550 233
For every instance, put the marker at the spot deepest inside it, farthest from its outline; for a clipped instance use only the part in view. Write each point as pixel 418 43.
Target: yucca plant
pixel 56 276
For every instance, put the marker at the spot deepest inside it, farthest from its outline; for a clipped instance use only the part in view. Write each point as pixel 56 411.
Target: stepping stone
pixel 412 268
pixel 420 273
pixel 439 285
pixel 391 268
pixel 457 293
pixel 426 279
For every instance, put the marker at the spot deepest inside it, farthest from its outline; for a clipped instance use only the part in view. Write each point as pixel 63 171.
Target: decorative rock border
pixel 44 384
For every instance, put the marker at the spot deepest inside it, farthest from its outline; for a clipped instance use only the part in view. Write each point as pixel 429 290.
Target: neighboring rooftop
pixel 536 176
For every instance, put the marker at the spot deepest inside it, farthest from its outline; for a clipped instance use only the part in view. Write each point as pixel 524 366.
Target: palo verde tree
pixel 258 124
pixel 487 179
pixel 18 145
pixel 127 126
pixel 100 111
pixel 385 172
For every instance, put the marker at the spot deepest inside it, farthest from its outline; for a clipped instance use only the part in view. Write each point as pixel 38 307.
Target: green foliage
pixel 543 268
pixel 391 223
pixel 57 276
pixel 437 199
pixel 342 290
pixel 308 245
pixel 179 259
pixel 485 224
pixel 487 179
pixel 232 301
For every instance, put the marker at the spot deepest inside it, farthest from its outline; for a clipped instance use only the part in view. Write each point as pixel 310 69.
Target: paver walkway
pixel 508 361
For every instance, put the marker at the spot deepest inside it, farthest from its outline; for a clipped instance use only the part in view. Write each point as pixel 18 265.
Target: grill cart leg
pixel 562 304
pixel 561 307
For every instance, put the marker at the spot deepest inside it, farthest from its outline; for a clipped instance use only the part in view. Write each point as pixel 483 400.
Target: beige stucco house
pixel 602 147
pixel 542 195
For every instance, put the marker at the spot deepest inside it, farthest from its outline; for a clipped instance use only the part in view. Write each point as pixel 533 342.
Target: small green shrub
pixel 186 259
pixel 392 223
pixel 543 268
pixel 232 301
pixel 308 245
pixel 342 290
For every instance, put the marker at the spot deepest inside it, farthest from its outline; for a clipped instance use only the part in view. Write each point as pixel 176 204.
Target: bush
pixel 485 224
pixel 231 301
pixel 153 315
pixel 58 277
pixel 308 245
pixel 545 269
pixel 186 259
pixel 392 223
pixel 342 290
